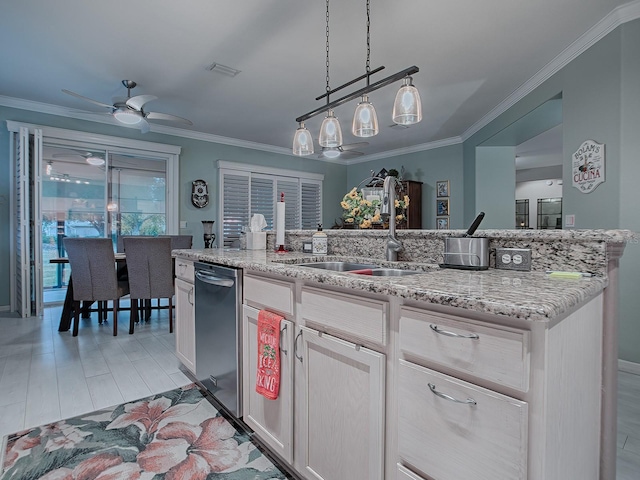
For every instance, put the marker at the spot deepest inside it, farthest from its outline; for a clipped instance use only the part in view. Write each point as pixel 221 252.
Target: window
pixel 522 213
pixel 249 189
pixel 549 213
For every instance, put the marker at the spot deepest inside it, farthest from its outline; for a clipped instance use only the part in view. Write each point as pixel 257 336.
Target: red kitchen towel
pixel 268 374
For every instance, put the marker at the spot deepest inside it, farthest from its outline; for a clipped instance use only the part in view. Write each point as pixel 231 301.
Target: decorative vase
pixel 209 236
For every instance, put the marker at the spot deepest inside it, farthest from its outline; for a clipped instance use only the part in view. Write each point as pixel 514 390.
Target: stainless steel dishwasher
pixel 218 328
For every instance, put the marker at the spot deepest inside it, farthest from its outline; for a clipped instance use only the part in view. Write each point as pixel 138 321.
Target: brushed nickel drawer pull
pixel 472 336
pixel 468 401
pixel 295 346
pixel 281 332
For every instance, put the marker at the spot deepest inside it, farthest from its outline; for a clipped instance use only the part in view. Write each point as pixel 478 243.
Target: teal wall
pixel 428 166
pixel 600 92
pixel 197 160
pixel 496 166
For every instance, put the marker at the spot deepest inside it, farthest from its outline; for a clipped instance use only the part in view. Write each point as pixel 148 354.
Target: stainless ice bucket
pixel 470 253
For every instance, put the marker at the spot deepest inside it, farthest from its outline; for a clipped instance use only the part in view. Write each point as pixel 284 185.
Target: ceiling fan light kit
pixel 407 107
pixel 126 116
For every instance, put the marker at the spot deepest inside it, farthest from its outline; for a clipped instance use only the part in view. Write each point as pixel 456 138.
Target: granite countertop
pixel 531 296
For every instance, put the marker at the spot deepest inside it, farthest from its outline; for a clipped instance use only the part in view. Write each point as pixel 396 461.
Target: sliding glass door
pixel 96 193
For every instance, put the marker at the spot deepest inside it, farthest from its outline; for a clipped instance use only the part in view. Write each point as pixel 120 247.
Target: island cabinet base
pixel 379 387
pixel 456 419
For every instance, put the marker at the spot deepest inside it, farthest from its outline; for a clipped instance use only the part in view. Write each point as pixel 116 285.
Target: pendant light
pixel 365 120
pixel 407 108
pixel 302 141
pixel 330 131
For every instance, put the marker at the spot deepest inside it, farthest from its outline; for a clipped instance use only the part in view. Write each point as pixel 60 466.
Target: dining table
pixel 66 316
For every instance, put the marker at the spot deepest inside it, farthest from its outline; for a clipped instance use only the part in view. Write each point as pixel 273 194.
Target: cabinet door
pixel 340 425
pixel 272 420
pixel 185 327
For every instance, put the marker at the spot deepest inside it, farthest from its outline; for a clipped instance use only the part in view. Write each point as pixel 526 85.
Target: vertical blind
pixel 245 193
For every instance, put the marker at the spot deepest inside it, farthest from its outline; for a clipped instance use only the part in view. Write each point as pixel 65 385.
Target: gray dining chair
pixel 180 241
pixel 150 270
pixel 93 277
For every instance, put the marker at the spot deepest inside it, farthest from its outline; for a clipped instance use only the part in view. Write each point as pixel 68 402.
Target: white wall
pixel 533 191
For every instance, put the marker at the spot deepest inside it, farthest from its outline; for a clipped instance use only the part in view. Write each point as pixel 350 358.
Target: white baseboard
pixel 5 308
pixel 629 367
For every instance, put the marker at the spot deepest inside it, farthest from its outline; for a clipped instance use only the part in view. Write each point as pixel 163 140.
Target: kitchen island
pixel 380 359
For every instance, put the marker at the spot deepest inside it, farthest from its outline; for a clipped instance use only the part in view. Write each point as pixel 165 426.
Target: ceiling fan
pixel 344 151
pixel 88 157
pixel 129 110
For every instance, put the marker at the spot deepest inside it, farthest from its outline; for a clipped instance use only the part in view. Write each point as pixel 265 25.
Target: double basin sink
pixel 360 268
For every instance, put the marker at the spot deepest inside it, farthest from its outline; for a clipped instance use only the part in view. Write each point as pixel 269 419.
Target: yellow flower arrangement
pixel 364 213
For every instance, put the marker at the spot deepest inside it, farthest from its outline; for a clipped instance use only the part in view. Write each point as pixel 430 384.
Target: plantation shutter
pixel 235 207
pixel 262 195
pixel 310 204
pixel 22 219
pixel 244 192
pixel 291 189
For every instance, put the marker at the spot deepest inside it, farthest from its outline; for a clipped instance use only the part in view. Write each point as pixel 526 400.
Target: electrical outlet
pixel 513 259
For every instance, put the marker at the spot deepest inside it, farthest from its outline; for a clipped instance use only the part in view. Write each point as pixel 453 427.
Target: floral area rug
pixel 174 436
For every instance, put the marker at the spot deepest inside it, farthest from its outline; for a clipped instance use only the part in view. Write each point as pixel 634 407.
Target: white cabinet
pixel 340 398
pixel 272 420
pixel 185 314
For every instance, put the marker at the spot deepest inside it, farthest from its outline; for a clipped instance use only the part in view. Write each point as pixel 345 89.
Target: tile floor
pixel 46 375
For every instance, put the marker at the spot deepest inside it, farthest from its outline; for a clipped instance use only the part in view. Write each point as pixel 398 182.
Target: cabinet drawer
pixel 363 317
pixel 262 292
pixel 485 440
pixel 498 354
pixel 184 269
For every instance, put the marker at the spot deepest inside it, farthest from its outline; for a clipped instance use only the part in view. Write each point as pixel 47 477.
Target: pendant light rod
pixel 363 91
pixel 351 82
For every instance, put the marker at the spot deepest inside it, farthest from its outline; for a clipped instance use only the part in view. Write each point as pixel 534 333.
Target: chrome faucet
pixel 388 209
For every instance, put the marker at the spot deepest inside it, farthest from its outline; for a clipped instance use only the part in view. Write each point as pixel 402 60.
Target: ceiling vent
pixel 223 69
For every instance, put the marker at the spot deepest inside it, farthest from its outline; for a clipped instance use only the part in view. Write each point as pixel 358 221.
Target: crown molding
pixel 617 17
pixel 445 142
pixel 162 129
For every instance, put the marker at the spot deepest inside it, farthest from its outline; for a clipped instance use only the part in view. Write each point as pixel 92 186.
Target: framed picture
pixel 442 188
pixel 442 207
pixel 442 223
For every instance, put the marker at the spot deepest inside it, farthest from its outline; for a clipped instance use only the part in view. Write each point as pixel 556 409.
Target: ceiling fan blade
pixel 138 101
pixel 167 117
pixel 351 146
pixel 82 97
pixel 144 126
pixel 351 153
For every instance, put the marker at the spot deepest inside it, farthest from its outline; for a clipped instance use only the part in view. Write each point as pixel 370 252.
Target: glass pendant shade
pixel 302 141
pixel 365 120
pixel 330 132
pixel 407 109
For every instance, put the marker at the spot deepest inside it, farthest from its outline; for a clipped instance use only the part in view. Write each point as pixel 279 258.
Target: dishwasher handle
pixel 213 280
